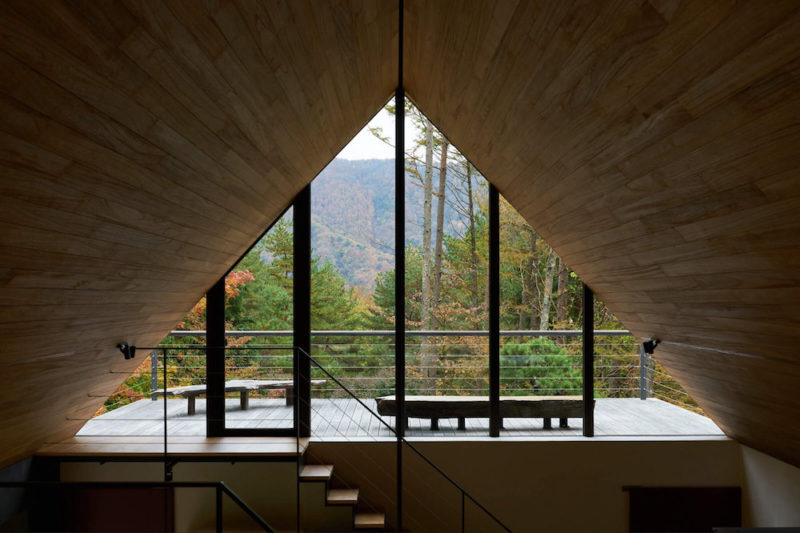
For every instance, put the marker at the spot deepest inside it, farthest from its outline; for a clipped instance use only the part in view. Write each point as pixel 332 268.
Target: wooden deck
pixel 346 419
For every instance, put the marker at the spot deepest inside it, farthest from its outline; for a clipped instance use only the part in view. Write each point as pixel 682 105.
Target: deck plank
pixel 346 418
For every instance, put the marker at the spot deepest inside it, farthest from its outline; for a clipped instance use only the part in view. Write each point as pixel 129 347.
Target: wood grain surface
pixel 145 145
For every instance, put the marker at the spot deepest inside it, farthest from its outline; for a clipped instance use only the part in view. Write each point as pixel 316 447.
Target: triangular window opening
pixel 353 277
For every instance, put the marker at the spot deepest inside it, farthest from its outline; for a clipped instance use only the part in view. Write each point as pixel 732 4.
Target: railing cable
pixel 411 447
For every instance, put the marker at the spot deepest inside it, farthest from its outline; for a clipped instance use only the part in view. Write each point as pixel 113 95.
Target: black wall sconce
pixel 128 351
pixel 650 346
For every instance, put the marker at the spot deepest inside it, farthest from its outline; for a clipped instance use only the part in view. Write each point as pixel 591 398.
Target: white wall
pixel 772 490
pixel 554 486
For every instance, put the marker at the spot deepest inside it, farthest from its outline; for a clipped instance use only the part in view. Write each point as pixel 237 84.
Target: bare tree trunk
pixel 486 303
pixel 472 243
pixel 523 305
pixel 530 283
pixel 425 350
pixel 561 299
pixel 426 228
pixel 547 293
pixel 437 256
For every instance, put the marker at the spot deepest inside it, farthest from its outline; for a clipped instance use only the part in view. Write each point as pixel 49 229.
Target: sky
pixel 366 146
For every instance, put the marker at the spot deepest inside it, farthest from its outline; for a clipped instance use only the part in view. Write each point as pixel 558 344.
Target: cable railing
pixel 437 362
pixel 366 415
pixel 168 361
pixel 348 373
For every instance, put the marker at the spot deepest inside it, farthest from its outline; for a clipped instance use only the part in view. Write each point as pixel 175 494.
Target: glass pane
pixel 352 286
pixel 447 362
pixel 258 318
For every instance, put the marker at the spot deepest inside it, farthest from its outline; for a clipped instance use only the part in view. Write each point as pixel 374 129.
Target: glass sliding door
pixel 352 303
pixel 259 355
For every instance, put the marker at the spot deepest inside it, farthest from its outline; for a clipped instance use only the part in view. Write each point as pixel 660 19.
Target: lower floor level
pixel 553 485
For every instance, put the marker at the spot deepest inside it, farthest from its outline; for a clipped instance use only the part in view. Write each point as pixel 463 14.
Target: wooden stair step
pixel 369 521
pixel 316 473
pixel 342 496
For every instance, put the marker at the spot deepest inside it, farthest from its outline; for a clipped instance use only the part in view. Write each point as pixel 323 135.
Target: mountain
pixel 352 217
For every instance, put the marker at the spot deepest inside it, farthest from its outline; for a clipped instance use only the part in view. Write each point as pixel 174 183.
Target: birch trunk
pixel 562 296
pixel 547 293
pixel 426 359
pixel 437 256
pixel 472 243
pixel 530 283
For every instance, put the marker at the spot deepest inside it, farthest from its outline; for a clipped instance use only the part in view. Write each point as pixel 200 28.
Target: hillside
pixel 352 217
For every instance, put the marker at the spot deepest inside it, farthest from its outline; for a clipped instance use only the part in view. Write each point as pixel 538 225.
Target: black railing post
pixel 642 373
pixel 463 522
pixel 167 469
pixel 302 306
pixel 588 361
pixel 154 374
pixel 400 264
pixel 297 355
pixel 495 420
pixel 215 359
pixel 167 465
pixel 219 508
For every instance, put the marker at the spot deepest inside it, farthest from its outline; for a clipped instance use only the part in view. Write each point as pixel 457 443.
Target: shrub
pixel 538 366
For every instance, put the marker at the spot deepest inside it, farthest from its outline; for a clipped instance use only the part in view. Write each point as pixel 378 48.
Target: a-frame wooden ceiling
pixel 653 144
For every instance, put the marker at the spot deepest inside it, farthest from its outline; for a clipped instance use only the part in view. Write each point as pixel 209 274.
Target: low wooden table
pixel 463 407
pixel 242 386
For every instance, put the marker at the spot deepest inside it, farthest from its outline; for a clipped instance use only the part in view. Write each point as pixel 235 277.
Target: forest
pixel 446 289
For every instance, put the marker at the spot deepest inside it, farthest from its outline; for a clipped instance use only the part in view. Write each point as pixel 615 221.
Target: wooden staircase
pixel 341 496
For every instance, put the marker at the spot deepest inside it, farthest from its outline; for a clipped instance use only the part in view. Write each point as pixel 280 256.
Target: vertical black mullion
pixel 495 421
pixel 400 264
pixel 400 267
pixel 215 359
pixel 588 361
pixel 302 307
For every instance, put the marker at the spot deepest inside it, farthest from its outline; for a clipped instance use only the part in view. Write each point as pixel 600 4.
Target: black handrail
pixel 464 493
pixel 409 333
pixel 244 507
pixel 220 486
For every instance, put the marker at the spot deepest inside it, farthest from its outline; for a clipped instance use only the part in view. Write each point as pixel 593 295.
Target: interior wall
pixel 771 491
pixel 556 486
pixel 532 486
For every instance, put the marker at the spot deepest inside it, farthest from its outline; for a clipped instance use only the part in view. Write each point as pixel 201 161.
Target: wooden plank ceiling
pixel 654 145
pixel 145 145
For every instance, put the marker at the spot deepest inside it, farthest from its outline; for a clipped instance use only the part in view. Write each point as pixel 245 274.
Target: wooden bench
pixel 242 386
pixel 463 407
